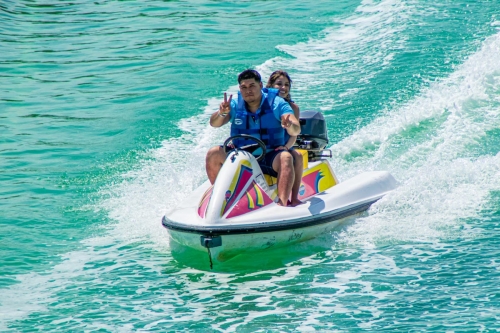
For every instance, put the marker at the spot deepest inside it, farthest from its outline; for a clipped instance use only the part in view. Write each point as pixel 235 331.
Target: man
pixel 264 115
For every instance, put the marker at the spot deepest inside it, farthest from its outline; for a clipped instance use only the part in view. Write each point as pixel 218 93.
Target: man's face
pixel 251 90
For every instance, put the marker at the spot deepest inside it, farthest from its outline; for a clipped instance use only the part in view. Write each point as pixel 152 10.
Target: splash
pixel 348 56
pixel 434 145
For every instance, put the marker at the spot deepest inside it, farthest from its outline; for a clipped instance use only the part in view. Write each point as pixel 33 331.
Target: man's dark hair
pixel 249 74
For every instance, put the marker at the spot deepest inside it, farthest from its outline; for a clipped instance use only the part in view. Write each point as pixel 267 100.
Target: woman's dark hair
pixel 274 76
pixel 249 74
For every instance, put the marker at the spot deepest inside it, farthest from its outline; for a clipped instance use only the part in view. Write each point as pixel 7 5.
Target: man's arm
pixel 221 117
pixel 218 119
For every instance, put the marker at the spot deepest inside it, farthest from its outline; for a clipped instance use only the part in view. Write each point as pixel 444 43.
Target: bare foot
pixel 279 203
pixel 289 203
pixel 295 202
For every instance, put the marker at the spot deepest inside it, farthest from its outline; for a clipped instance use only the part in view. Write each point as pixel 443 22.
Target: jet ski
pixel 239 213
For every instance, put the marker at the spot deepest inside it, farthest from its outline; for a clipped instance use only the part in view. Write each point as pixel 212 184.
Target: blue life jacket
pixel 263 124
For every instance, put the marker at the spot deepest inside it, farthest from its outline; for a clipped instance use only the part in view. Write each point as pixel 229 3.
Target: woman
pixel 281 80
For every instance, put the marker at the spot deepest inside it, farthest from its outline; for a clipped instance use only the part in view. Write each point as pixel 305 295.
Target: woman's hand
pixel 285 121
pixel 281 148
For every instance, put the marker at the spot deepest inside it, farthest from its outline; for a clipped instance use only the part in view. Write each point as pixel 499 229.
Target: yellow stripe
pixel 251 204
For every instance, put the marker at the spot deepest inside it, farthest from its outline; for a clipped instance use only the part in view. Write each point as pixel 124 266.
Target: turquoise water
pixel 104 111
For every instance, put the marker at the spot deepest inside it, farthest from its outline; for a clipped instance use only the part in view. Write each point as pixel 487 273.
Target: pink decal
pixel 202 208
pixel 244 177
pixel 310 183
pixel 240 208
pixel 254 199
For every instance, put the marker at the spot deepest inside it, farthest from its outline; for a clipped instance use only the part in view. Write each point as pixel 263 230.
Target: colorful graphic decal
pixel 253 199
pixel 270 180
pixel 302 189
pixel 240 180
pixel 205 199
pixel 310 183
pixel 316 180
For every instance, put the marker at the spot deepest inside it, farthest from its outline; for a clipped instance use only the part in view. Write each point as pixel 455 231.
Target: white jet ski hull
pixel 274 226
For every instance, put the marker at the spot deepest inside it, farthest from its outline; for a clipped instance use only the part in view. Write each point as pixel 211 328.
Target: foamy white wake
pixel 431 146
pixel 348 56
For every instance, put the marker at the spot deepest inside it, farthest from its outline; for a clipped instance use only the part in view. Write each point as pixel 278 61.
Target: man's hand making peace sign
pixel 219 118
pixel 225 106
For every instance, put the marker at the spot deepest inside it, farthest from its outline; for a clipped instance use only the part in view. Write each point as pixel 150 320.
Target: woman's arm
pixel 296 112
pixel 291 141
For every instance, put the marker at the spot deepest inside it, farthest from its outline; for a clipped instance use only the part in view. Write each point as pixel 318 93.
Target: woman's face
pixel 283 85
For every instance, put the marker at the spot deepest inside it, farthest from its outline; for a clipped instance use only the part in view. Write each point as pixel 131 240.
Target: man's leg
pixel 213 162
pixel 298 166
pixel 283 164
